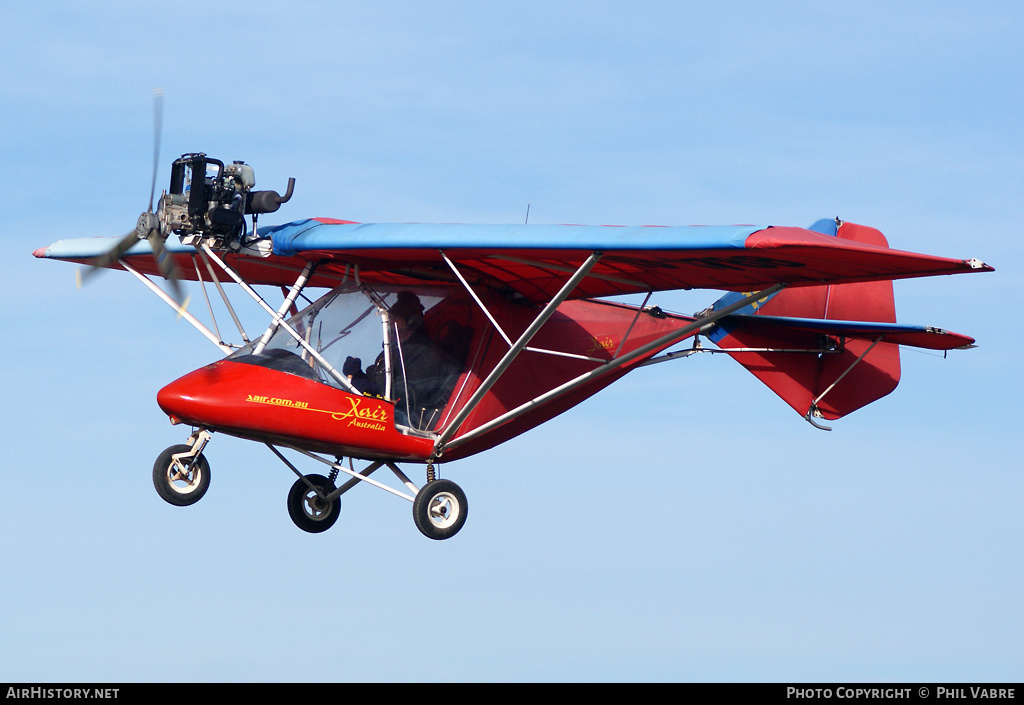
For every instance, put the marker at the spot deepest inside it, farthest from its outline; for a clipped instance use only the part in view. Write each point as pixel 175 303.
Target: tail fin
pixel 827 350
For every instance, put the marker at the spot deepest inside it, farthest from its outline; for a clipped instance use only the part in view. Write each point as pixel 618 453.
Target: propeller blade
pixel 148 224
pixel 165 263
pixel 158 122
pixel 105 260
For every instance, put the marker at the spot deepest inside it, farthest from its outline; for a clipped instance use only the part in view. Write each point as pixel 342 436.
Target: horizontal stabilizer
pixel 927 337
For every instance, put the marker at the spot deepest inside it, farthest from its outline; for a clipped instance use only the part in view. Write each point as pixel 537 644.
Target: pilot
pixel 429 370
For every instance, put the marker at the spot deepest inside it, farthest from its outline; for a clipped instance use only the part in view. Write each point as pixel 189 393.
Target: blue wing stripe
pixel 305 236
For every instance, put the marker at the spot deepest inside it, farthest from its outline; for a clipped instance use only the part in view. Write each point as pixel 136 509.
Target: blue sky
pixel 684 524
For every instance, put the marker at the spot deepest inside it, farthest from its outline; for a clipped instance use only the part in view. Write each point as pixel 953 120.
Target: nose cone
pixel 196 398
pixel 177 400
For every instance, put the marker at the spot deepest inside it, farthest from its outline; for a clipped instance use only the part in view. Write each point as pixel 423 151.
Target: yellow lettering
pixel 372 415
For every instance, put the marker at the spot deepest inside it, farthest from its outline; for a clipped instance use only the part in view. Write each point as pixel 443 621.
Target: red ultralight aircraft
pixel 436 342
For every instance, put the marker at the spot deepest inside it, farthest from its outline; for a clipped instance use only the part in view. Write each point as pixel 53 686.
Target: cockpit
pixel 391 343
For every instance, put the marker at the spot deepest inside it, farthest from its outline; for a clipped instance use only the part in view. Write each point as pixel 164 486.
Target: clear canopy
pixel 345 334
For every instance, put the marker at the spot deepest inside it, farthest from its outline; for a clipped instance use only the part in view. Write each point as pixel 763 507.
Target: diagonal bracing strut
pixel 666 340
pixel 279 321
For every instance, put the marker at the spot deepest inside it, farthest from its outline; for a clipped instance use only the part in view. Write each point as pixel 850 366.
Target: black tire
pixel 307 510
pixel 440 509
pixel 181 483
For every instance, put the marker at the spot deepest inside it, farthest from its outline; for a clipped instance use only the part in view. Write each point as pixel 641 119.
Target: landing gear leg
pixel 181 474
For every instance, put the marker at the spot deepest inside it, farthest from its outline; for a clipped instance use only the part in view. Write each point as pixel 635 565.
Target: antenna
pixel 527 221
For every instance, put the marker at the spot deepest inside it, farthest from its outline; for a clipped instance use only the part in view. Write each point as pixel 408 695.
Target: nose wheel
pixel 181 475
pixel 440 509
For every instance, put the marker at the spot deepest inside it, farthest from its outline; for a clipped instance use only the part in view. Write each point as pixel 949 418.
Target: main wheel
pixel 440 509
pixel 181 481
pixel 307 510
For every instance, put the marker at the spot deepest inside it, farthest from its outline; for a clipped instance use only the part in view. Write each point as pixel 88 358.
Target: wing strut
pixel 515 349
pixel 666 340
pixel 225 348
pixel 209 306
pixel 289 301
pixel 223 296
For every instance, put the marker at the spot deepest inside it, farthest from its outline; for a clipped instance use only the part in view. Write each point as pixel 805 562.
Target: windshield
pixel 350 328
pixel 343 323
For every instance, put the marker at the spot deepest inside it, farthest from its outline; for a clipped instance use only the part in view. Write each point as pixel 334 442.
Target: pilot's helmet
pixel 408 307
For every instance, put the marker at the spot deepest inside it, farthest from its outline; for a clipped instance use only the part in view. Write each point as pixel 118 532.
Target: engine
pixel 207 201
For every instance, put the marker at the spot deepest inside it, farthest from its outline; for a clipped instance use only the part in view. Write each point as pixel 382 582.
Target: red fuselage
pixel 273 406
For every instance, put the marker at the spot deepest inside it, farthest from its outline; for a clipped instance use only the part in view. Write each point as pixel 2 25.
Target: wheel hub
pixel 316 507
pixel 443 509
pixel 183 473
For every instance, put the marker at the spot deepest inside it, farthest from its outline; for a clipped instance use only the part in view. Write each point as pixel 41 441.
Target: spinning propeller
pixel 148 226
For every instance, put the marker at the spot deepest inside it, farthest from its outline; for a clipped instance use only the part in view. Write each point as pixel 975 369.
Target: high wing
pixel 534 261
